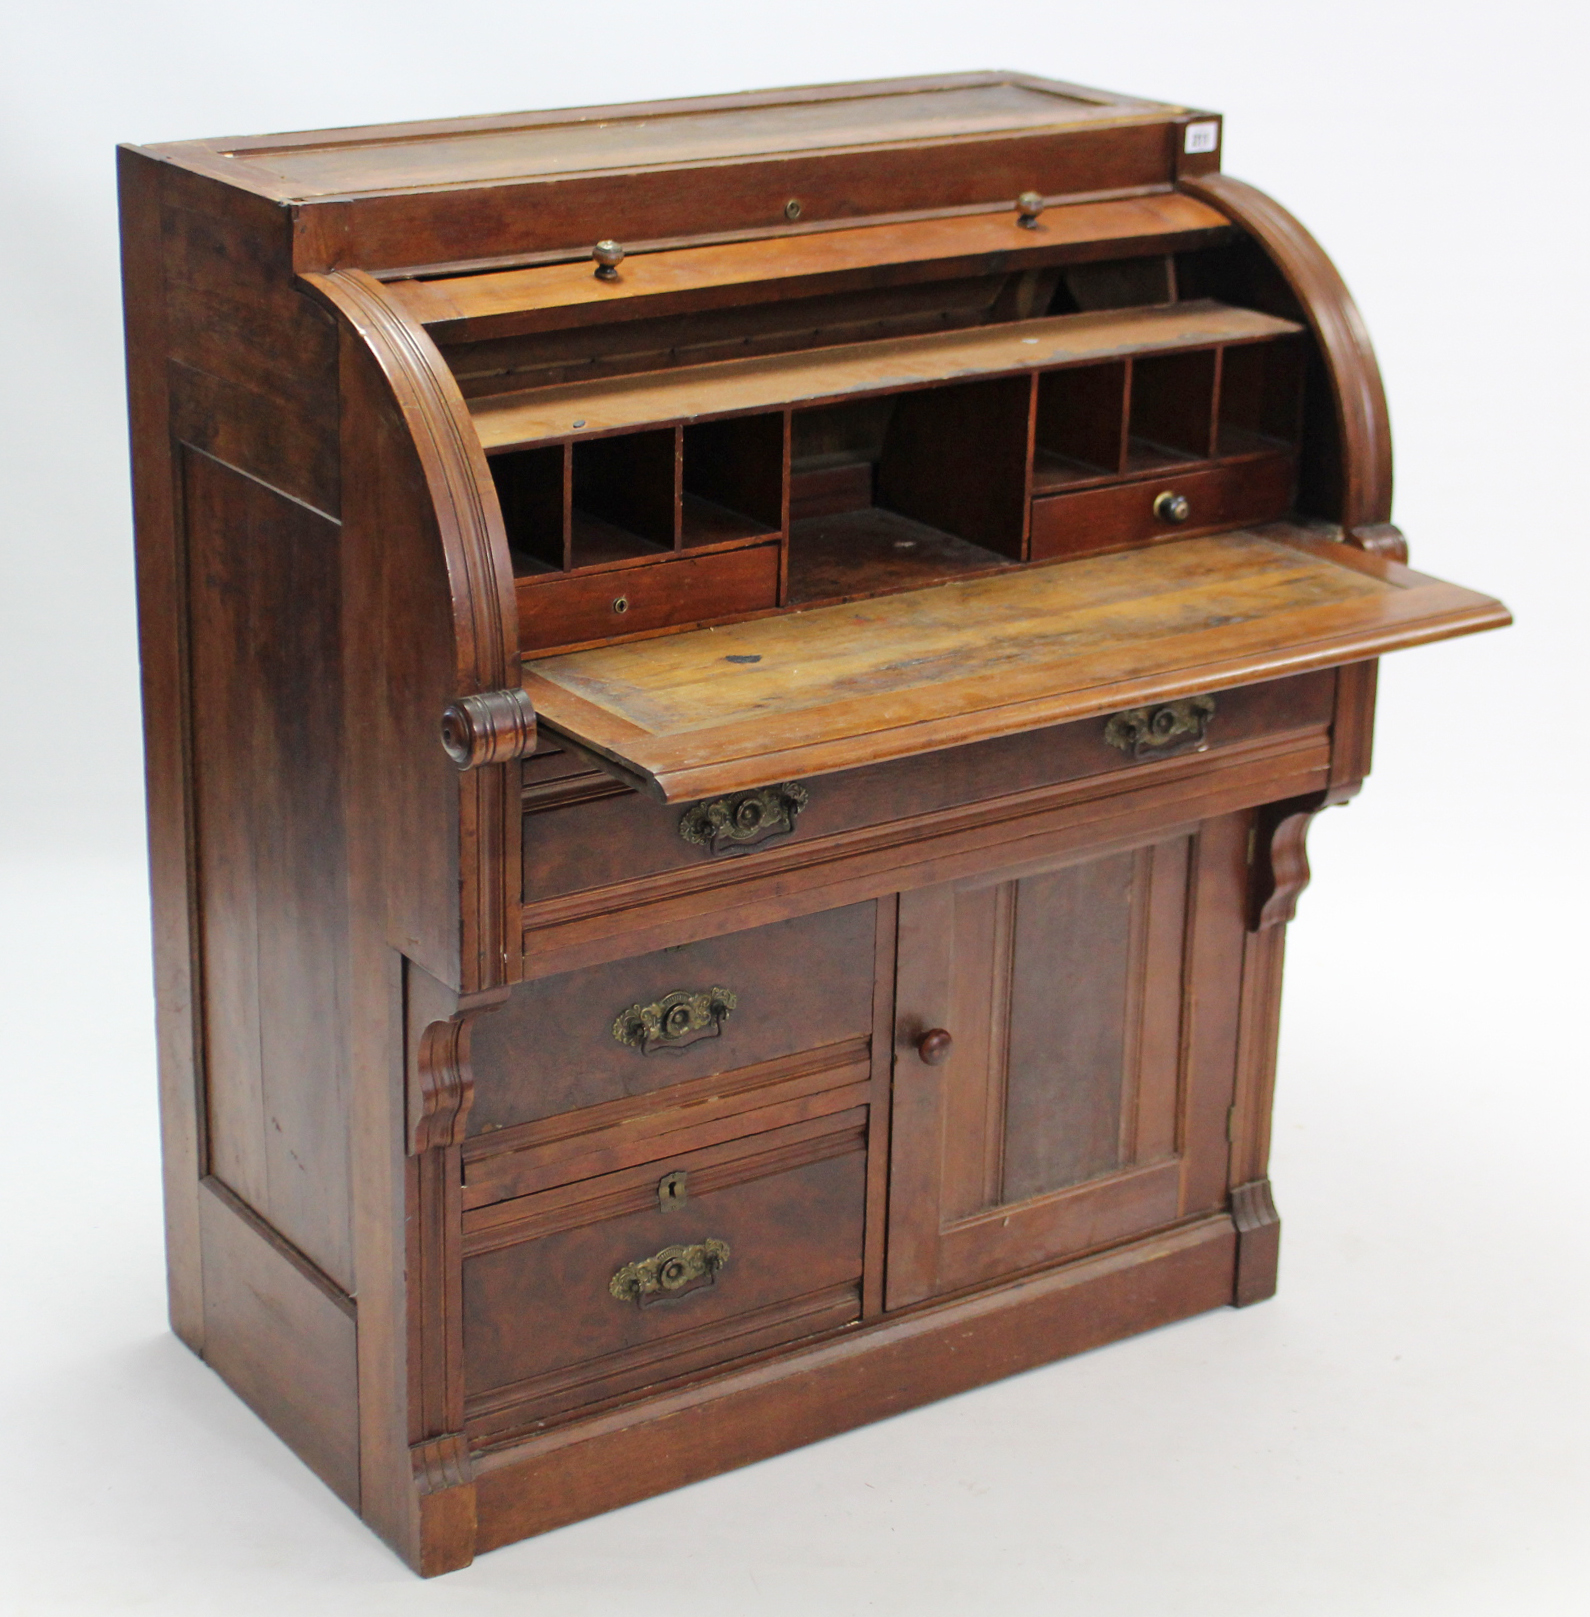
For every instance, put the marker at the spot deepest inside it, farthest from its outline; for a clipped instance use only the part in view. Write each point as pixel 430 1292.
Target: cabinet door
pixel 1092 1009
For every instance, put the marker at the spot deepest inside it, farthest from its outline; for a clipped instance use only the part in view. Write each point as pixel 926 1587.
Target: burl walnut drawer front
pixel 588 1290
pixel 632 1027
pixel 1167 507
pixel 584 833
pixel 652 595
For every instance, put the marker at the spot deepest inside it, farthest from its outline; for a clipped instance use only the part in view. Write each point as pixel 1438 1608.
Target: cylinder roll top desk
pixel 734 690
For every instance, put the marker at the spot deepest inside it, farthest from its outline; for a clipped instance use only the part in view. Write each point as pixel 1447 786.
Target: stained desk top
pixel 750 704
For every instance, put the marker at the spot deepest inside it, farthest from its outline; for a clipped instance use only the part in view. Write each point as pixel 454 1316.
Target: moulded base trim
pixel 588 1467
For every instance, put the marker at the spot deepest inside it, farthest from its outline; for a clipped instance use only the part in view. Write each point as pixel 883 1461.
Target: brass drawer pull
pixel 674 1270
pixel 676 1021
pixel 1172 507
pixel 743 819
pixel 1158 732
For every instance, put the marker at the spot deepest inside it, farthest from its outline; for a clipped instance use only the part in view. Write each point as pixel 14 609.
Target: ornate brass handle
pixel 1157 732
pixel 744 819
pixel 676 1021
pixel 934 1046
pixel 674 1270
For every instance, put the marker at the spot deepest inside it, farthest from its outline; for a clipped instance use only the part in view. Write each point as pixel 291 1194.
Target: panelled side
pixel 235 461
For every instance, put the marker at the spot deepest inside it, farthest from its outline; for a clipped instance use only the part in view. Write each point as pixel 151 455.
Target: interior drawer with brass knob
pixel 557 609
pixel 591 1288
pixel 636 1026
pixel 1170 505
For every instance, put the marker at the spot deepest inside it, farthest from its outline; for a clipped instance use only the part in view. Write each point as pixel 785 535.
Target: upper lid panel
pixel 477 151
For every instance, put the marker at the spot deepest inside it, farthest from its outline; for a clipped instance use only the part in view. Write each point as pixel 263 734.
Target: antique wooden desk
pixel 942 528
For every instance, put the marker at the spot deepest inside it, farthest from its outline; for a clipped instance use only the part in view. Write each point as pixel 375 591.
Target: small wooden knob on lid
pixel 608 255
pixel 1029 204
pixel 934 1046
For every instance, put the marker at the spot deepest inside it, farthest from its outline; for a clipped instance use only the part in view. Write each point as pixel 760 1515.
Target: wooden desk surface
pixel 751 704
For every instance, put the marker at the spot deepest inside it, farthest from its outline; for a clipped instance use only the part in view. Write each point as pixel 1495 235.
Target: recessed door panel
pixel 1073 977
pixel 1076 1101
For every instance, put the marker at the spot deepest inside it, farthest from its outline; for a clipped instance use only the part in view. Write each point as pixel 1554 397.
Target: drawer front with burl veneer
pixel 636 1026
pixel 584 834
pixel 587 1290
pixel 1172 506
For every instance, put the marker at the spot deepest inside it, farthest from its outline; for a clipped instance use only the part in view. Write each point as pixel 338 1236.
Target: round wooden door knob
pixel 934 1046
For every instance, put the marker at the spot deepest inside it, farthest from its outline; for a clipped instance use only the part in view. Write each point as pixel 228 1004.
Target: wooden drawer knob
pixel 934 1046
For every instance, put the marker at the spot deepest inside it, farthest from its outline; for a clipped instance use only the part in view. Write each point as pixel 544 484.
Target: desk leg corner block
pixel 444 1496
pixel 1258 1242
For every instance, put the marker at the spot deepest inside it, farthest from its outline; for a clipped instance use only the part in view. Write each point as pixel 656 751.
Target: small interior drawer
pixel 1126 514
pixel 638 1026
pixel 567 609
pixel 582 1292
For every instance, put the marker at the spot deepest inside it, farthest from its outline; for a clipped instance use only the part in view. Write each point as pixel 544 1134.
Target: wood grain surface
pixel 407 1153
pixel 554 296
pixel 844 685
pixel 734 386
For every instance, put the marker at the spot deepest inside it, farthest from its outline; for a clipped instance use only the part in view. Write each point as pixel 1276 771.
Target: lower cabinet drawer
pixel 662 594
pixel 584 1292
pixel 635 1027
pixel 1126 514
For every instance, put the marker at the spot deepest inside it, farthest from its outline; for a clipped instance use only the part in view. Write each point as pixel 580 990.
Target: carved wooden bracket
pixel 492 728
pixel 441 1086
pixel 1280 860
pixel 441 1462
pixel 1380 539
pixel 445 1086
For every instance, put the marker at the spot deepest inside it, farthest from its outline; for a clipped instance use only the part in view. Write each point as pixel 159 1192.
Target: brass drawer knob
pixel 935 1045
pixel 676 1021
pixel 1029 205
pixel 744 819
pixel 1171 506
pixel 674 1270
pixel 1157 732
pixel 608 255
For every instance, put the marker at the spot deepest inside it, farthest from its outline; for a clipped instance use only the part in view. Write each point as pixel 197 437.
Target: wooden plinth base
pixel 615 1459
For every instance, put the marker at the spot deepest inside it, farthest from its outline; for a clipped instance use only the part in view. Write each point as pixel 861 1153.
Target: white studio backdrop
pixel 1403 1430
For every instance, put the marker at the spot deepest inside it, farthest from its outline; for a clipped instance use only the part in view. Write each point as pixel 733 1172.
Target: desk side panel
pixel 234 391
pixel 1346 474
pixel 160 605
pixel 266 670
